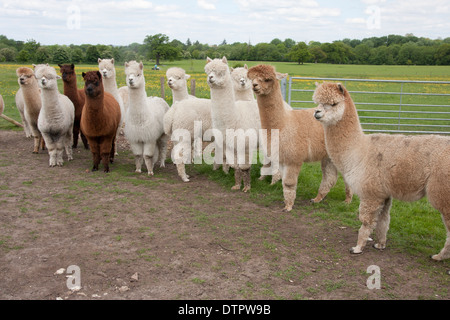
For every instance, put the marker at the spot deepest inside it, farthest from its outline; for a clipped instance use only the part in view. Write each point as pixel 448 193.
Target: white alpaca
pixel 56 118
pixel 380 167
pixel 185 110
pixel 241 84
pixel 108 71
pixel 226 113
pixel 144 120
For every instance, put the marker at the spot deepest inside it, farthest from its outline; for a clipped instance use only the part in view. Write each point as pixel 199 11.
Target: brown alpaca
pixel 77 96
pixel 99 120
pixel 29 96
pixel 301 138
pixel 379 167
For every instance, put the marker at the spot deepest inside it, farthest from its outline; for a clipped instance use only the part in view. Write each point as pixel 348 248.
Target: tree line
pixel 386 50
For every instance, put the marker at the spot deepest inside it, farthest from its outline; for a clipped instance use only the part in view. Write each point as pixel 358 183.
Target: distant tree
pixel 442 54
pixel 77 55
pixel 9 54
pixel 300 53
pixel 61 55
pixel 92 54
pixel 42 55
pixel 23 56
pixel 158 47
pixel 318 55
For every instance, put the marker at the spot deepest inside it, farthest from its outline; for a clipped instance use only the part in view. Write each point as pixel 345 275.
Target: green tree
pixel 42 55
pixel 92 54
pixel 158 47
pixel 442 54
pixel 60 56
pixel 23 56
pixel 9 54
pixel 300 53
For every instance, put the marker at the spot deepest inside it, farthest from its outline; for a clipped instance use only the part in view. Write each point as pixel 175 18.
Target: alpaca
pixel 380 167
pixel 108 71
pixel 242 85
pixel 144 120
pixel 56 117
pixel 185 110
pixel 301 137
pixel 77 96
pixel 28 101
pixel 226 113
pixel 100 120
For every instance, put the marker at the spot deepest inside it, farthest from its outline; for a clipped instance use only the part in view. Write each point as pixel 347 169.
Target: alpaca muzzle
pixel 318 114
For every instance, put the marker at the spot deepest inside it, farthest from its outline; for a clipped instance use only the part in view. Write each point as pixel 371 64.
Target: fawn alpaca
pixel 380 167
pixel 100 120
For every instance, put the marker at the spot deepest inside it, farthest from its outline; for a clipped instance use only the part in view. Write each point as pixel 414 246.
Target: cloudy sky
pixel 212 21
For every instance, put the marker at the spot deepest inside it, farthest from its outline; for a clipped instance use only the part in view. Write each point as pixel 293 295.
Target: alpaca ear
pixel 141 65
pixel 58 77
pixel 112 60
pixel 281 76
pixel 126 64
pixel 99 75
pixel 72 66
pixel 224 60
pixel 317 84
pixel 341 88
pixel 208 59
pixel 59 65
pixel 99 60
pixel 246 67
pixel 231 69
pixel 83 74
pixel 187 76
pixel 34 66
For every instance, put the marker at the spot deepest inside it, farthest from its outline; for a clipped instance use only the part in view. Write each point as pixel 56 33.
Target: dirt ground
pixel 135 237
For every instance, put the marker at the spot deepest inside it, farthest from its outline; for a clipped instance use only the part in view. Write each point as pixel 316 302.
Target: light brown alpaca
pixel 301 138
pixel 29 95
pixel 379 167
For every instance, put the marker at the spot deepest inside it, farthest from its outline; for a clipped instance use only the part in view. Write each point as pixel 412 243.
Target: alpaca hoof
pixel 355 251
pixel 94 169
pixel 246 189
pixel 138 170
pixel 261 178
pixel 287 209
pixel 379 246
pixel 185 180
pixel 235 187
pixel 35 152
pixel 150 174
pixel 437 257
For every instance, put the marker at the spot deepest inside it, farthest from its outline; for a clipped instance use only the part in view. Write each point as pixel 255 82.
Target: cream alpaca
pixel 28 101
pixel 226 113
pixel 108 71
pixel 301 138
pixel 241 84
pixel 185 110
pixel 144 120
pixel 380 167
pixel 56 117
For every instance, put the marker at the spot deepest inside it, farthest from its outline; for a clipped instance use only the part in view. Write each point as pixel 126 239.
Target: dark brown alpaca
pixel 77 96
pixel 99 120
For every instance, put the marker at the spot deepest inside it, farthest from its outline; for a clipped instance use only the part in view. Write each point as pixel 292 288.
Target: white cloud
pixel 206 4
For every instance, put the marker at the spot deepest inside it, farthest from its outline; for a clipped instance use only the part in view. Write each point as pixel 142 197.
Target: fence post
pixel 290 90
pixel 163 95
pixel 193 87
pixel 283 88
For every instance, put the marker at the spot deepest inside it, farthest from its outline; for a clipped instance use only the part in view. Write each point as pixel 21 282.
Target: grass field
pixel 415 227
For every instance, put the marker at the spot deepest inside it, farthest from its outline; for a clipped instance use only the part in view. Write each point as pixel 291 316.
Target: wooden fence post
pixel 163 95
pixel 193 87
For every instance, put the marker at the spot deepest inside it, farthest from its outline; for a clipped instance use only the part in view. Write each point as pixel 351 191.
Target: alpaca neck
pixel 31 97
pixel 71 89
pixel 245 95
pixel 137 98
pixel 271 109
pixel 180 94
pixel 223 105
pixel 345 135
pixel 110 85
pixel 94 105
pixel 50 103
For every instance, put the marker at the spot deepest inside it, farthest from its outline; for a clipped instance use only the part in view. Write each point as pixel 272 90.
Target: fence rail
pixel 420 107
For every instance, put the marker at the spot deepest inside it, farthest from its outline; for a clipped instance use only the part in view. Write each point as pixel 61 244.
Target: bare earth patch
pixel 139 237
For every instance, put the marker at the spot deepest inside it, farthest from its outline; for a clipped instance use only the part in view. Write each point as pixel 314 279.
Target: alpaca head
pixel 47 78
pixel 25 76
pixel 240 80
pixel 330 98
pixel 176 78
pixel 134 72
pixel 106 67
pixel 93 85
pixel 67 72
pixel 264 79
pixel 217 72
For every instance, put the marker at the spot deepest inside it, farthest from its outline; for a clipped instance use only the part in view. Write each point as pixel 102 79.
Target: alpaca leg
pixel 75 132
pixel 368 214
pixel 105 161
pixel 290 179
pixel 162 145
pixel 37 142
pixel 149 163
pixel 42 142
pixel 106 150
pixel 276 177
pixel 112 151
pixel 329 178
pixel 151 154
pixel 84 139
pixel 138 160
pixel 52 154
pixel 237 178
pixel 68 145
pixel 246 178
pixel 383 225
pixel 181 169
pixel 348 193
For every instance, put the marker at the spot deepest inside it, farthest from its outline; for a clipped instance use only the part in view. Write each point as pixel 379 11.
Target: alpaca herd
pixel 245 113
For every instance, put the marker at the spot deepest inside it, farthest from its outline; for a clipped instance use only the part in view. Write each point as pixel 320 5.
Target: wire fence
pixel 390 106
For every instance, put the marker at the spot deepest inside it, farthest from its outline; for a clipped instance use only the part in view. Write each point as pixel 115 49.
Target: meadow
pixel 415 227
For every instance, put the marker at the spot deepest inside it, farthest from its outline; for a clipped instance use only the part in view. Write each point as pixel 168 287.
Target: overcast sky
pixel 212 21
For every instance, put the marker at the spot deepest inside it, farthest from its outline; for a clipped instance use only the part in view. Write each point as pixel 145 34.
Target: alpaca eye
pixel 268 80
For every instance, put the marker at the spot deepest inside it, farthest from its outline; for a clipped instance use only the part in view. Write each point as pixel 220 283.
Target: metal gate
pixel 390 106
